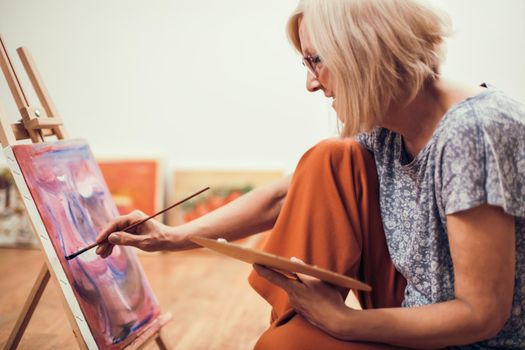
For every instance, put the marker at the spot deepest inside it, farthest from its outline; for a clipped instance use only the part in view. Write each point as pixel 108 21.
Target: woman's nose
pixel 312 84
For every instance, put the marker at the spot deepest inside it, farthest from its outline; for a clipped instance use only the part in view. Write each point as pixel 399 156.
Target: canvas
pixel 134 183
pixel 15 227
pixel 74 204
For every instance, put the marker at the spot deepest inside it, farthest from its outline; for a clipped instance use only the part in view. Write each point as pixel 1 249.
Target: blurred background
pixel 214 84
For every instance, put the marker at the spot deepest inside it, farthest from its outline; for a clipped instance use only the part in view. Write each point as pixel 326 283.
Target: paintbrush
pixel 93 245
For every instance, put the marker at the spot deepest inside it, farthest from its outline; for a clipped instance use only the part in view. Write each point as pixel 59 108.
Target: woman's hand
pixel 149 236
pixel 318 302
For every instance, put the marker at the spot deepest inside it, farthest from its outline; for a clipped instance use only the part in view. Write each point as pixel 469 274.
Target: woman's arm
pixel 482 244
pixel 254 212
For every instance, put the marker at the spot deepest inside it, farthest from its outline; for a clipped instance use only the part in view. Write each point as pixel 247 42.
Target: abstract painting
pixel 15 227
pixel 74 204
pixel 134 183
pixel 226 185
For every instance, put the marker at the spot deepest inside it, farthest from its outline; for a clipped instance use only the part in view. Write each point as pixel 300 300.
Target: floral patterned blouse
pixel 475 156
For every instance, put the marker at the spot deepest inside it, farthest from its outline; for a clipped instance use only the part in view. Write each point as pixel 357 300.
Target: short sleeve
pixel 365 139
pixel 483 162
pixel 372 140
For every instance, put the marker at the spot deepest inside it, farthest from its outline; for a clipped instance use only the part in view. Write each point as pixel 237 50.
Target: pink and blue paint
pixel 75 204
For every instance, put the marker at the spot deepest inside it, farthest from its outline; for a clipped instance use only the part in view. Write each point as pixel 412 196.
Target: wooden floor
pixel 213 306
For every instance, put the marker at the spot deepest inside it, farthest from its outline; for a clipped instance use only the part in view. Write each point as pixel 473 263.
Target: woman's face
pixel 323 79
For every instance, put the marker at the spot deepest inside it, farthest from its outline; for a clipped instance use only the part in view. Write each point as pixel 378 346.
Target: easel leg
pixel 29 308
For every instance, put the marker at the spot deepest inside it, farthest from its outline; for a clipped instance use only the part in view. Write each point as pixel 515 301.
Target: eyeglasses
pixel 311 63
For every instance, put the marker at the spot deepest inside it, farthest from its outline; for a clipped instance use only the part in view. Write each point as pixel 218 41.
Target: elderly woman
pixel 422 198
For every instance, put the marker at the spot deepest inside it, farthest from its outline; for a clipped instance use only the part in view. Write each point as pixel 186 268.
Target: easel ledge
pixel 37 124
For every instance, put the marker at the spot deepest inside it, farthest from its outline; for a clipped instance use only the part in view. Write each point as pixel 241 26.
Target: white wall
pixel 214 83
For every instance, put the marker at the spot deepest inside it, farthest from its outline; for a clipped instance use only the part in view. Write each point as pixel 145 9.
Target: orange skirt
pixel 331 219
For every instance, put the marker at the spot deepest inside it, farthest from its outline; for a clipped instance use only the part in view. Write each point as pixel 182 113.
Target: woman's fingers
pixel 105 248
pixel 307 280
pixel 285 282
pixel 107 252
pixel 114 225
pixel 274 277
pixel 117 238
pixel 113 235
pixel 296 260
pixel 302 277
pixel 101 247
pixel 124 238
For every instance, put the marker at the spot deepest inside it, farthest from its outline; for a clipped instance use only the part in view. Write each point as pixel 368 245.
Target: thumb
pixel 296 260
pixel 124 238
pixel 305 279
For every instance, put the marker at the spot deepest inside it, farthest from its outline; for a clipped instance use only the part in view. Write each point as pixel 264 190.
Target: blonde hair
pixel 378 51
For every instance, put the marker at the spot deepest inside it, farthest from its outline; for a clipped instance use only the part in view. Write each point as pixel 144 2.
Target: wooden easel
pixel 37 124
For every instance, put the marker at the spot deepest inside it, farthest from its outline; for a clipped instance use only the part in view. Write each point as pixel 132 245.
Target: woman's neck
pixel 417 121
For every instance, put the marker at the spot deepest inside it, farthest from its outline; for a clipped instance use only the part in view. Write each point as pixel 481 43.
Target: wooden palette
pixel 273 261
